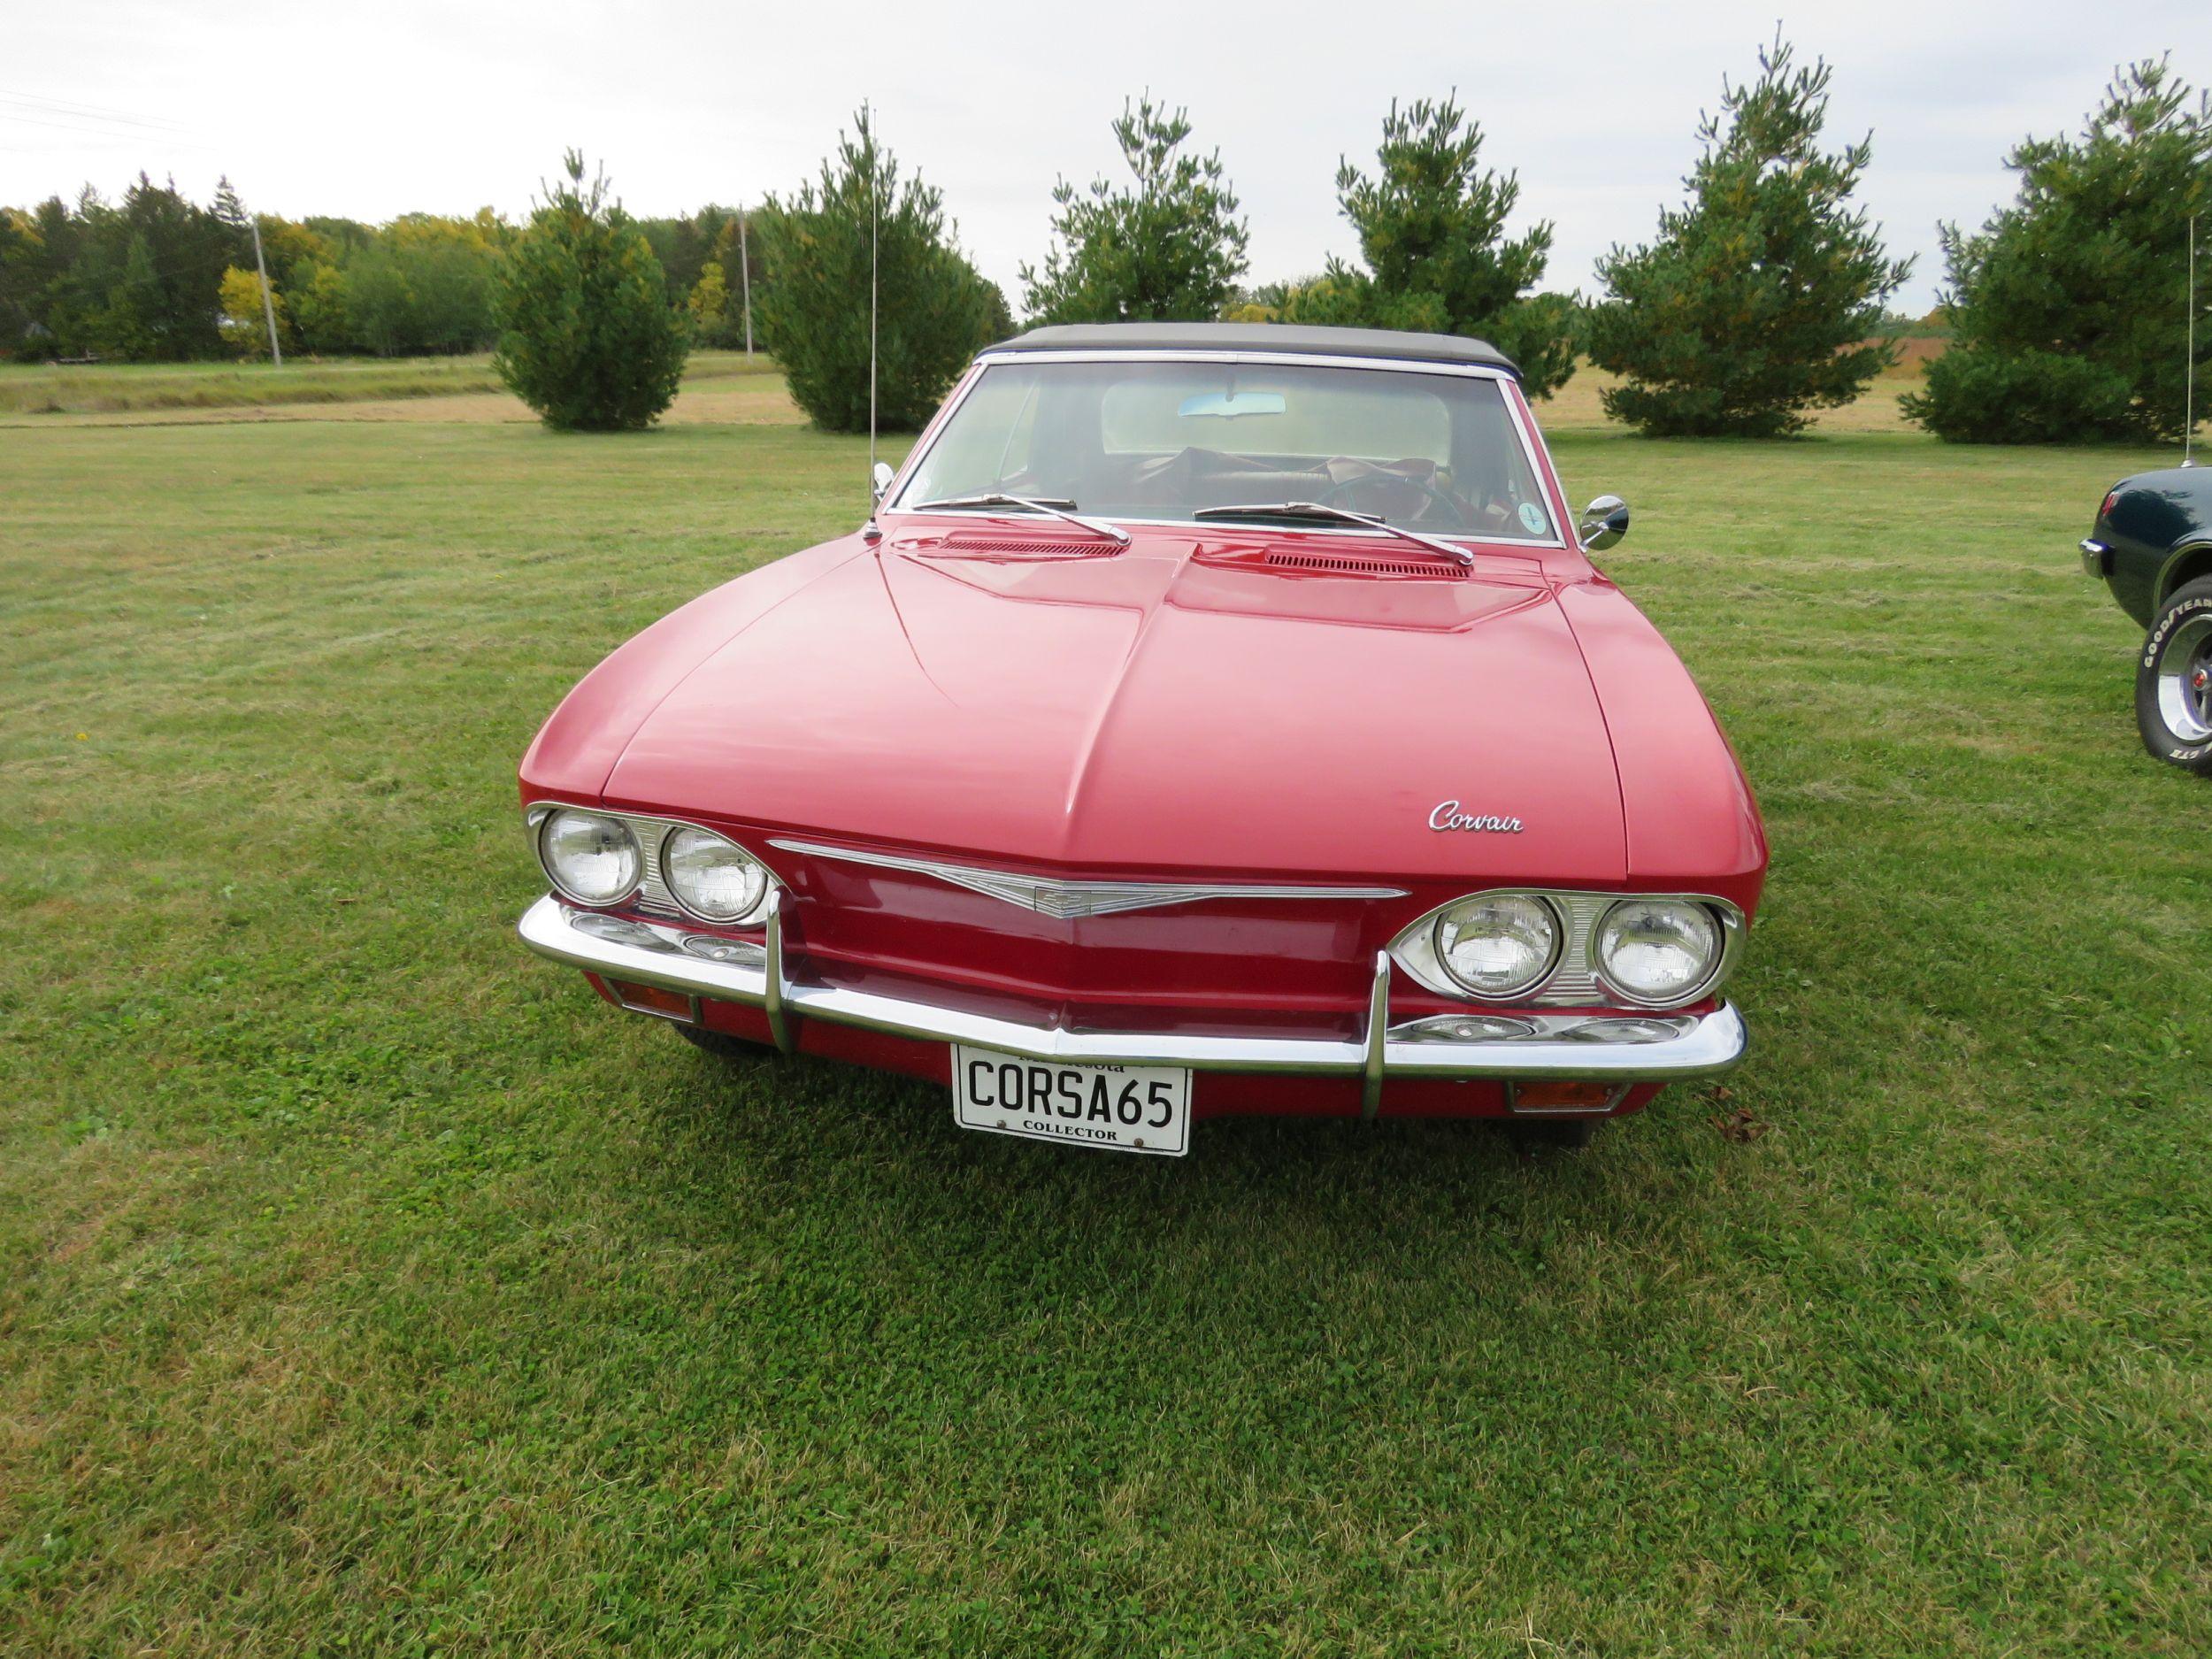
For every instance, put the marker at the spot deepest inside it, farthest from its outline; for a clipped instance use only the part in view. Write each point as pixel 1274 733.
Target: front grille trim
pixel 1075 900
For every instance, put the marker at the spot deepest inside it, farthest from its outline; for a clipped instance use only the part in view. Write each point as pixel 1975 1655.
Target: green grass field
pixel 368 1288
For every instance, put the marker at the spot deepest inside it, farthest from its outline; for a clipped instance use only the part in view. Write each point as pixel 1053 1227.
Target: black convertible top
pixel 1399 346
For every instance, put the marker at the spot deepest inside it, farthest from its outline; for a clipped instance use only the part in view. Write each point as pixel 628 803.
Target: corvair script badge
pixel 1448 816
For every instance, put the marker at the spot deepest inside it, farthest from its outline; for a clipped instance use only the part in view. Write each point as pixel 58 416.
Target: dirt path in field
pixel 760 400
pixel 1577 406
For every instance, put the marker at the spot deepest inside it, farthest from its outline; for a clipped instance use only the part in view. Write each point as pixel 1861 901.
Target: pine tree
pixel 588 336
pixel 812 258
pixel 1432 230
pixel 134 323
pixel 1756 302
pixel 1169 250
pixel 22 280
pixel 2068 306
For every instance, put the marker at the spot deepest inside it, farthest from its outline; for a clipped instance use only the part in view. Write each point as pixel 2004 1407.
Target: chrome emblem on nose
pixel 1448 816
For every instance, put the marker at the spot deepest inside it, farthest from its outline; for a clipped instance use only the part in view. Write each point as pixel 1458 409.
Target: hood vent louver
pixel 1363 565
pixel 976 545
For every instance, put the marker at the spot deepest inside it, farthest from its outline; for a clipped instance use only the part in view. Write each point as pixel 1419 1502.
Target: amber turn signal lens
pixel 651 999
pixel 1562 1097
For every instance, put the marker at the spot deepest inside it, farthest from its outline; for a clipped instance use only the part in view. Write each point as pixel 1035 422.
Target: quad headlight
pixel 1498 944
pixel 712 877
pixel 1573 948
pixel 1658 951
pixel 591 857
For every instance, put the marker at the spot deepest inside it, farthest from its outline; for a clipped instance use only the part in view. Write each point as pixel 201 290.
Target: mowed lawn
pixel 366 1287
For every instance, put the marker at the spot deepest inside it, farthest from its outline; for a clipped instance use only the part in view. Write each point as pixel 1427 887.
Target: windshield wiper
pixel 1059 507
pixel 1337 515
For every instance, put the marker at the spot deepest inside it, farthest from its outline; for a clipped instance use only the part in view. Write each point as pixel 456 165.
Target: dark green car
pixel 2153 546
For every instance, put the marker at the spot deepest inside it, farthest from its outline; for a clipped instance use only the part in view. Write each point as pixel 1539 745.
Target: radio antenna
pixel 2189 374
pixel 875 218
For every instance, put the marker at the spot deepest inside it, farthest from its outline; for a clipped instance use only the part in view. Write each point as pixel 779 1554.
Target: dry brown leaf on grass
pixel 1741 1126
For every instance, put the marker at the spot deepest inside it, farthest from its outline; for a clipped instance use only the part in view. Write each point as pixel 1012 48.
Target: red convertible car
pixel 1210 718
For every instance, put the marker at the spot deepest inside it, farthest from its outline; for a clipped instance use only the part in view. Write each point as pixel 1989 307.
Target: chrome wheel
pixel 2185 680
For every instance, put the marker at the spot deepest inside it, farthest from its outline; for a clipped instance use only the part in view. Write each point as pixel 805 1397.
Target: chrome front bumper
pixel 1627 1049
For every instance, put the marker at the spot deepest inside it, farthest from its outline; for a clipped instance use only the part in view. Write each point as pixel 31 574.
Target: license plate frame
pixel 1146 1108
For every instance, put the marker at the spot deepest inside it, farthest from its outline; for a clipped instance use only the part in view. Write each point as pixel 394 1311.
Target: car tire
pixel 721 1045
pixel 1562 1135
pixel 2173 679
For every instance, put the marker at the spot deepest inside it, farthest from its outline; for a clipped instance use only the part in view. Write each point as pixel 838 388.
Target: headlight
pixel 711 876
pixel 1498 946
pixel 1658 951
pixel 592 857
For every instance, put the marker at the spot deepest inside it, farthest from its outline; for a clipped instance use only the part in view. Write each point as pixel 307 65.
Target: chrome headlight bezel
pixel 652 894
pixel 1575 979
pixel 543 831
pixel 689 903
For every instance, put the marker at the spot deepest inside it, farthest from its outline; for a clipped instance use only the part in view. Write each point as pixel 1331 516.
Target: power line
pixel 111 134
pixel 59 106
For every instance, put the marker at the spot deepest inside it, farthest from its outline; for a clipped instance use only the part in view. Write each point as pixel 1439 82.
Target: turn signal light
pixel 1562 1097
pixel 651 999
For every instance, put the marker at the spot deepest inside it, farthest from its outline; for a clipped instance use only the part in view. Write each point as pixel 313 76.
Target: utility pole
pixel 745 280
pixel 268 305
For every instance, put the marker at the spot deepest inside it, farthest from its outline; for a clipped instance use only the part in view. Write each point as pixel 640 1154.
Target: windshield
pixel 1173 438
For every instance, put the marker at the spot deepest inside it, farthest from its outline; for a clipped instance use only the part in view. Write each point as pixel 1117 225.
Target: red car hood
pixel 1172 707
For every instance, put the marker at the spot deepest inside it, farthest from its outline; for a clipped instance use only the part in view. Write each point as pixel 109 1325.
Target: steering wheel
pixel 1441 498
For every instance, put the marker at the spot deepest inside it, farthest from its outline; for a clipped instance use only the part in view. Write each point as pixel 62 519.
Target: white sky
pixel 373 111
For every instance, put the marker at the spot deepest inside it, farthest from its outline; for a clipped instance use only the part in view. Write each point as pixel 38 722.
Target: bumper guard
pixel 1621 1048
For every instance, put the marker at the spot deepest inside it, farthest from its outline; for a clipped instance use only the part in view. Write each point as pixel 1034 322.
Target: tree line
pixel 1762 298
pixel 156 277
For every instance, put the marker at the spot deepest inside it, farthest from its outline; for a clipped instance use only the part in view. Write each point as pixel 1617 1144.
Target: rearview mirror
pixel 1604 522
pixel 881 479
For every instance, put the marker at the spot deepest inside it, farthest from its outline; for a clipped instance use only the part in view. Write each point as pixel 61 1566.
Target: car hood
pixel 1174 706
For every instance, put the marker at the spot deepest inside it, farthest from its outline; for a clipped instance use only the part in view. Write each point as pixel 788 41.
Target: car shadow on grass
pixel 1259 1198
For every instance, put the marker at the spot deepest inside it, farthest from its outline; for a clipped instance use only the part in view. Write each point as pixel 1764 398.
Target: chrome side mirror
pixel 1604 522
pixel 881 480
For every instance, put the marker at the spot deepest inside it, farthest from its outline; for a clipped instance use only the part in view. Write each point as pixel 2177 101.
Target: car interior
pixel 1164 440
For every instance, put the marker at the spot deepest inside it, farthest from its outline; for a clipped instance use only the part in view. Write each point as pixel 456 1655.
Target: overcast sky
pixel 373 111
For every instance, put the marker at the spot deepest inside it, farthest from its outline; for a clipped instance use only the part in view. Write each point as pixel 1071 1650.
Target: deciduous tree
pixel 709 302
pixel 318 301
pixel 244 326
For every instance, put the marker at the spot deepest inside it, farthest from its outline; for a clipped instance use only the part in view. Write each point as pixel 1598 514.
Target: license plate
pixel 1113 1108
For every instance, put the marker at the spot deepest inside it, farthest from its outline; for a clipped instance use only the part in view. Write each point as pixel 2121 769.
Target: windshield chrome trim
pixel 1532 451
pixel 1206 527
pixel 1169 354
